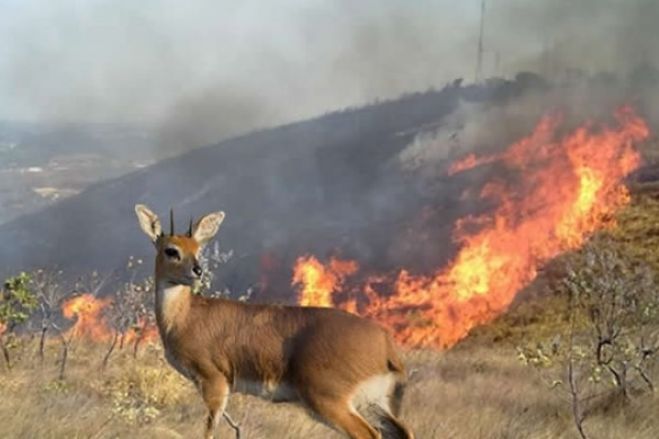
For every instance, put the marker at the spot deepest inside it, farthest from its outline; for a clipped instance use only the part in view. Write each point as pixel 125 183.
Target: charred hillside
pixel 332 183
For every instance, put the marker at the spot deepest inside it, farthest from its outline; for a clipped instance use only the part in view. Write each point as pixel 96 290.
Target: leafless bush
pixel 611 343
pixel 211 260
pixel 90 283
pixel 130 311
pixel 49 287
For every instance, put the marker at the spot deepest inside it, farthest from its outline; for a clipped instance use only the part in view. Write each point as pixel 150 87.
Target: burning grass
pixel 319 281
pixel 561 187
pixel 89 314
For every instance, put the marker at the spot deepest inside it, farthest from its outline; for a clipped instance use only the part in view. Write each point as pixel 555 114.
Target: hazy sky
pixel 240 64
pixel 134 60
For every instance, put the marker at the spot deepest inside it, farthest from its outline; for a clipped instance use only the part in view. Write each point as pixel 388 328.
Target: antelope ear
pixel 148 221
pixel 207 227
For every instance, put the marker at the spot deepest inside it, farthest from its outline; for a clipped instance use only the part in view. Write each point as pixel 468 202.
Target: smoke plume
pixel 216 69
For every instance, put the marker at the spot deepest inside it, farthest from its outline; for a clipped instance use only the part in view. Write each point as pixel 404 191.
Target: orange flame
pixel 88 312
pixel 91 322
pixel 569 187
pixel 319 281
pixel 143 331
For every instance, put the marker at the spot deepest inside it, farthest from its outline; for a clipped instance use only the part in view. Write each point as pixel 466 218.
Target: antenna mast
pixel 479 58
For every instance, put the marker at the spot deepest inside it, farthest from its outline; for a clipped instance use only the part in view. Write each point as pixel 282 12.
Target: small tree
pixel 145 317
pixel 50 290
pixel 612 337
pixel 211 259
pixel 91 283
pixel 618 298
pixel 131 310
pixel 17 302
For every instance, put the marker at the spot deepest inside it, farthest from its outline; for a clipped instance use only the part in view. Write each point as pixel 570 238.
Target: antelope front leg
pixel 215 392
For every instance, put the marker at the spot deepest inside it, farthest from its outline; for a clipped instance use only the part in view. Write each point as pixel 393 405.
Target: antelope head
pixel 177 259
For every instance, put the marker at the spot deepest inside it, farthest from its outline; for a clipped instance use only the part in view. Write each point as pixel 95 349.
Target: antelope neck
pixel 172 305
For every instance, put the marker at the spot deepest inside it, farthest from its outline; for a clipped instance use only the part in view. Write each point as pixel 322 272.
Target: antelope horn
pixel 190 228
pixel 171 222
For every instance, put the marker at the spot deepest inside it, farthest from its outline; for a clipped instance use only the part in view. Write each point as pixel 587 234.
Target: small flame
pixel 319 281
pixel 569 187
pixel 89 313
pixel 469 162
pixel 143 331
pixel 90 321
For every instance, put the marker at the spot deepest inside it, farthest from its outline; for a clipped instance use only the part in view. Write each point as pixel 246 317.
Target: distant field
pixel 474 391
pixel 41 164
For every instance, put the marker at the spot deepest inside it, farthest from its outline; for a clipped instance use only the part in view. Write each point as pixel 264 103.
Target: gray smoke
pixel 589 35
pixel 217 68
pixel 487 127
pixel 597 54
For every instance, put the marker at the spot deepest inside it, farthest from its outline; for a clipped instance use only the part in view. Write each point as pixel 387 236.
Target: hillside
pixel 314 186
pixel 42 163
pixel 333 183
pixel 540 311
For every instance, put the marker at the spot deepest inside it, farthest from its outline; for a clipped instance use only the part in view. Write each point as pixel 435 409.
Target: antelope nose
pixel 197 270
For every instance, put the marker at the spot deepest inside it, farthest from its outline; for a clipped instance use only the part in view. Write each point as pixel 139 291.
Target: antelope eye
pixel 172 253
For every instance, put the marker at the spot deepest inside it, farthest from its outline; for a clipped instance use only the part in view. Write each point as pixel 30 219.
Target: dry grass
pixel 471 392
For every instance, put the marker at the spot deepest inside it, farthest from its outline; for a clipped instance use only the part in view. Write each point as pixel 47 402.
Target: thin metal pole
pixel 479 58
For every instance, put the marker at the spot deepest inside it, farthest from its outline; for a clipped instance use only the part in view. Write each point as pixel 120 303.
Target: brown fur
pixel 316 356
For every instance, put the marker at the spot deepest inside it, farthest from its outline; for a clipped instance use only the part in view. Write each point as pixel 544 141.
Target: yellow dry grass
pixel 473 391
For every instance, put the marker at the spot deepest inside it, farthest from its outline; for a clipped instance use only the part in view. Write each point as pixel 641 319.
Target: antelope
pixel 342 368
